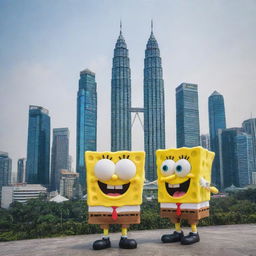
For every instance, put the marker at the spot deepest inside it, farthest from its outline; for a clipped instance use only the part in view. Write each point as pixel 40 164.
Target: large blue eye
pixel 183 167
pixel 178 168
pixel 167 167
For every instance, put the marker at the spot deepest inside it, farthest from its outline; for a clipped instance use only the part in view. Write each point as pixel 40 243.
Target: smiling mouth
pixel 177 190
pixel 116 190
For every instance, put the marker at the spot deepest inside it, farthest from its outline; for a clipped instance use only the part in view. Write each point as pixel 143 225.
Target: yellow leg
pixel 105 232
pixel 177 227
pixel 124 231
pixel 194 228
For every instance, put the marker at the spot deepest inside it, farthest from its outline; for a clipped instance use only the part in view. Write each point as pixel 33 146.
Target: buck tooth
pixel 110 187
pixel 119 187
pixel 169 185
pixel 176 185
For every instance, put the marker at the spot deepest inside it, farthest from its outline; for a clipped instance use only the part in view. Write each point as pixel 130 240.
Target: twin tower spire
pixel 154 113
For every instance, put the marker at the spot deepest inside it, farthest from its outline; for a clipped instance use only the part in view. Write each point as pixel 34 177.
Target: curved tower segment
pixel 121 98
pixel 154 114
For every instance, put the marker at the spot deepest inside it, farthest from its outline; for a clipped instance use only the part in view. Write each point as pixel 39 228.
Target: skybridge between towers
pixel 137 112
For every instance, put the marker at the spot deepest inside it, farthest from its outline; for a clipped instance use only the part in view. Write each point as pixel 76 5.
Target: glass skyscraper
pixel 154 112
pixel 121 98
pixel 205 141
pixel 60 155
pixel 5 171
pixel 236 158
pixel 249 127
pixel 38 146
pixel 187 116
pixel 86 135
pixel 217 120
pixel 21 170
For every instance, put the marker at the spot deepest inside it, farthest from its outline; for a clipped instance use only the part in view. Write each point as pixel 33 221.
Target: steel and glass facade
pixel 38 146
pixel 236 157
pixel 21 170
pixel 249 127
pixel 187 116
pixel 86 136
pixel 217 120
pixel 60 155
pixel 5 171
pixel 154 111
pixel 121 97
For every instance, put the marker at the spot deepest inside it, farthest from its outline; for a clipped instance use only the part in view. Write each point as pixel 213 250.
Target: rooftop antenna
pixel 120 26
pixel 152 25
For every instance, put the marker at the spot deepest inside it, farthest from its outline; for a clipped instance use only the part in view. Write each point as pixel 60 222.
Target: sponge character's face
pixel 115 179
pixel 179 172
pixel 177 176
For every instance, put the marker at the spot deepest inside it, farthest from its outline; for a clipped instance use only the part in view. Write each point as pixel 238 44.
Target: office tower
pixel 86 120
pixel 121 97
pixel 154 112
pixel 5 171
pixel 217 120
pixel 187 116
pixel 38 146
pixel 21 193
pixel 236 159
pixel 70 160
pixel 68 182
pixel 244 154
pixel 60 155
pixel 249 127
pixel 205 141
pixel 21 170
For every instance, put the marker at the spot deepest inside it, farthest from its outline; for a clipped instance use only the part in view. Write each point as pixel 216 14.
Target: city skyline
pixel 50 68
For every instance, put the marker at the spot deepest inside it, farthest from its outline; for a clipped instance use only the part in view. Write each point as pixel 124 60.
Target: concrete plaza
pixel 233 240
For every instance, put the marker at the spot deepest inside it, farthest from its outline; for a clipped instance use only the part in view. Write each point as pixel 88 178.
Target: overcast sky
pixel 44 44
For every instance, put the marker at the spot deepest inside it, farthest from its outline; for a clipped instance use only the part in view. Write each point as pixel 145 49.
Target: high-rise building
pixel 244 154
pixel 60 155
pixel 21 193
pixel 217 120
pixel 187 116
pixel 86 120
pixel 21 170
pixel 70 161
pixel 38 147
pixel 249 127
pixel 68 183
pixel 205 141
pixel 121 97
pixel 5 171
pixel 154 111
pixel 236 159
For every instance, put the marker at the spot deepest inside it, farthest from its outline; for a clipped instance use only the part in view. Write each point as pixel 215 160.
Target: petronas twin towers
pixel 154 114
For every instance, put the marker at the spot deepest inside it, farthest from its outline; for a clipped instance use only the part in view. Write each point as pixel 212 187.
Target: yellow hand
pixel 213 190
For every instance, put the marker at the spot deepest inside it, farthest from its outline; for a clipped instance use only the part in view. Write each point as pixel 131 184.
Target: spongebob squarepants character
pixel 114 184
pixel 184 176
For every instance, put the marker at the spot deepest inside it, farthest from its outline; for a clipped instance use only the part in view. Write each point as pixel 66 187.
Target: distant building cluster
pixel 235 148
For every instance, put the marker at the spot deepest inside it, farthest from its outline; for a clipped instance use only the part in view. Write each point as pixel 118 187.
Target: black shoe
pixel 126 243
pixel 101 244
pixel 171 238
pixel 190 239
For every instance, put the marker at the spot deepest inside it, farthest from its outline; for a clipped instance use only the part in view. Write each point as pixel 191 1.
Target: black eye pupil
pixel 179 168
pixel 165 168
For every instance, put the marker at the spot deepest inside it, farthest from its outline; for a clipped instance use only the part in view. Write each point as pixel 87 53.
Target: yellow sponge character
pixel 114 184
pixel 184 176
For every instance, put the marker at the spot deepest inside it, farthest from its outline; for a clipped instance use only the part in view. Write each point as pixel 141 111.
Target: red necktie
pixel 114 213
pixel 178 211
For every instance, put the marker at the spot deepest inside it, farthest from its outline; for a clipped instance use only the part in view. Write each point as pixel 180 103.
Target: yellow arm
pixel 214 190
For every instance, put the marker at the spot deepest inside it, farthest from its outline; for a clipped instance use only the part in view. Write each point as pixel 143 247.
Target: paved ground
pixel 233 240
